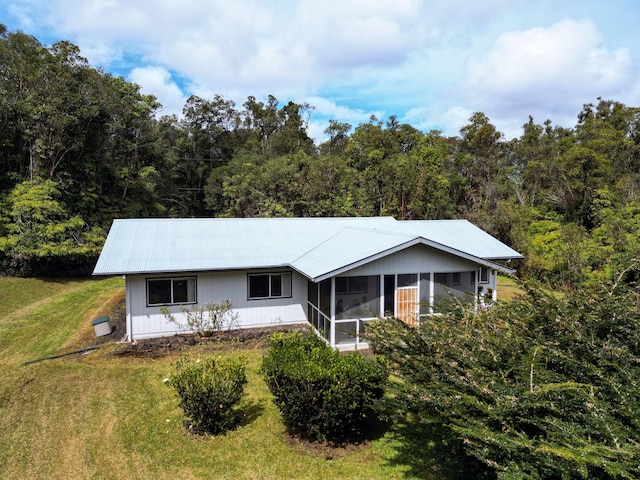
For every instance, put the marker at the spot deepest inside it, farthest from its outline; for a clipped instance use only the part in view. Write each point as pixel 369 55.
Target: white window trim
pixel 172 280
pixel 487 280
pixel 286 290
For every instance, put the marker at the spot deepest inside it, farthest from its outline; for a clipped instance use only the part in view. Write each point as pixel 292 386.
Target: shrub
pixel 541 387
pixel 208 390
pixel 321 394
pixel 206 319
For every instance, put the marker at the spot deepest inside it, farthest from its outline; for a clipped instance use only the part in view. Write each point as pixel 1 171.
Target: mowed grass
pixel 508 288
pixel 106 416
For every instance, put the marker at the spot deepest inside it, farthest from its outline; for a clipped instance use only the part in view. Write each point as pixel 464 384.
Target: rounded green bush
pixel 321 393
pixel 208 390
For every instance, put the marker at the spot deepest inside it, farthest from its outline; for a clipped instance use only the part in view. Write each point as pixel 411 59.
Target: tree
pixel 292 136
pixel 90 133
pixel 338 138
pixel 540 387
pixel 430 198
pixel 481 163
pixel 42 238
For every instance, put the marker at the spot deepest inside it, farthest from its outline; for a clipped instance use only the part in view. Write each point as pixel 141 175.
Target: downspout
pixel 128 321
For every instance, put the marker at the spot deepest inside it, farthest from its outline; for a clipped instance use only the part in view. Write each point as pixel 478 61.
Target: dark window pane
pixel 258 286
pixel 159 292
pixel 484 275
pixel 342 285
pixel 407 280
pixel 276 286
pixel 441 278
pixel 313 293
pixel 358 284
pixel 389 294
pixel 325 297
pixel 180 291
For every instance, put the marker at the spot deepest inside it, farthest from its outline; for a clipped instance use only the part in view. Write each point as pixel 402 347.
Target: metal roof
pixel 460 235
pixel 316 247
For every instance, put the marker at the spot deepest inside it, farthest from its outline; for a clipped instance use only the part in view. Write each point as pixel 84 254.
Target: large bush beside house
pixel 543 386
pixel 209 390
pixel 321 393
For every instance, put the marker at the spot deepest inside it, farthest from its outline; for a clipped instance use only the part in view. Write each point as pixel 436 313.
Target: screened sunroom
pixel 340 307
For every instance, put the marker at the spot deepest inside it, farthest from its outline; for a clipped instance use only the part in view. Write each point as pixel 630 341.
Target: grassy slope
pixel 111 417
pixel 507 288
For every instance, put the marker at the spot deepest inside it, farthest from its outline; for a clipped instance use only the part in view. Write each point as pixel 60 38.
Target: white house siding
pixel 148 322
pixel 416 259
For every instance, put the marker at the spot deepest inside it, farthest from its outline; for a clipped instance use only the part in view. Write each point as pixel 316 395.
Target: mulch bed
pixel 159 347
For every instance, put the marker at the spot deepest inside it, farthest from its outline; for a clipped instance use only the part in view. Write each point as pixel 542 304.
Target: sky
pixel 431 63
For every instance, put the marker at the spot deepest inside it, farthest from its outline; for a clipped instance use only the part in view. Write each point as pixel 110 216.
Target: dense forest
pixel 80 147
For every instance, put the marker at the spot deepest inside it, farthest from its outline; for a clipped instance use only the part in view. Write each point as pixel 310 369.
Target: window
pixel 351 285
pixel 407 280
pixel 168 291
pixel 269 285
pixel 441 278
pixel 447 279
pixel 484 275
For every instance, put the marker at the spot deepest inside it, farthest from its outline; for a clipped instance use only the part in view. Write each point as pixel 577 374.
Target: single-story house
pixel 334 273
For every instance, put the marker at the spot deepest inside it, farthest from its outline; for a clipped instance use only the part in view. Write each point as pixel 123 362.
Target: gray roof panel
pixel 346 248
pixel 313 246
pixel 460 235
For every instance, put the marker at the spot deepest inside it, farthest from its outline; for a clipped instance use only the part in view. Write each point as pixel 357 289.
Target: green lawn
pixel 507 288
pixel 107 416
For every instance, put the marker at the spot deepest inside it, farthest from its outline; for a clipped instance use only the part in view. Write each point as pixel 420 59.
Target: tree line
pixel 80 147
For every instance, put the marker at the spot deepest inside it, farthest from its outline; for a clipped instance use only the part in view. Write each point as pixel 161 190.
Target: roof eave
pixel 415 241
pixel 172 271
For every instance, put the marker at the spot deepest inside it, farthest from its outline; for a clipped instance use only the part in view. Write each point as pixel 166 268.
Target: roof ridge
pixel 317 245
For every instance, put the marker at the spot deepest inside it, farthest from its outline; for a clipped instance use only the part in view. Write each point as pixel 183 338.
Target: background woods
pixel 80 147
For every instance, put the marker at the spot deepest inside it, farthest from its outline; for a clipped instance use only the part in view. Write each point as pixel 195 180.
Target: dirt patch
pixel 326 450
pixel 160 347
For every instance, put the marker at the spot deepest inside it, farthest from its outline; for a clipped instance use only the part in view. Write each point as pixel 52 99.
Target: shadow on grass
pixel 243 416
pixel 249 412
pixel 337 447
pixel 427 453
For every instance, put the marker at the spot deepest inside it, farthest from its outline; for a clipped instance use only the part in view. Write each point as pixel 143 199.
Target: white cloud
pixel 349 34
pixel 328 108
pixel 325 110
pixel 550 70
pixel 315 130
pixel 566 55
pixel 448 121
pixel 157 81
pixel 249 42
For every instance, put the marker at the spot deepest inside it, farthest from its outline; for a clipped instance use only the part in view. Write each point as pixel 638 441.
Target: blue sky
pixel 430 63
